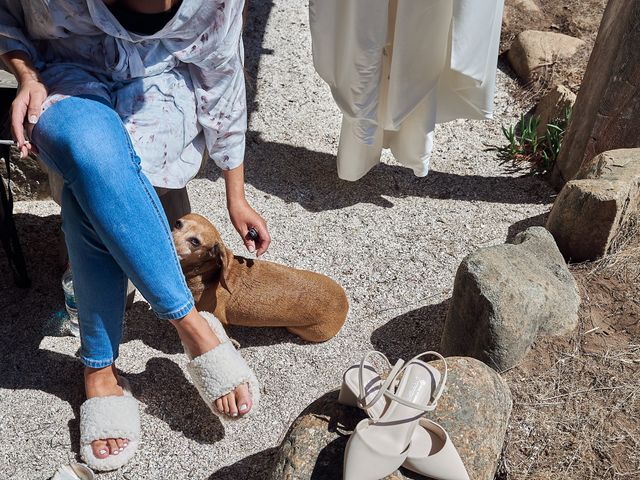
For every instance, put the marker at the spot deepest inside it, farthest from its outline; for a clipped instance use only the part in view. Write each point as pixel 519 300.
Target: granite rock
pixel 28 179
pixel 533 50
pixel 552 106
pixel 591 212
pixel 504 295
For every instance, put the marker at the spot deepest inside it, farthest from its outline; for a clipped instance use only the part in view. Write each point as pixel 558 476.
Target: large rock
pixel 553 105
pixel 28 180
pixel 504 295
pixel 474 409
pixel 591 212
pixel 533 50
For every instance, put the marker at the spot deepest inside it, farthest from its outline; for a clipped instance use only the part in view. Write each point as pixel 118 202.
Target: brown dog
pixel 256 293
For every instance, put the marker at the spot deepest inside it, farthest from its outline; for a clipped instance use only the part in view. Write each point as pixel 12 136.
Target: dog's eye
pixel 179 224
pixel 194 241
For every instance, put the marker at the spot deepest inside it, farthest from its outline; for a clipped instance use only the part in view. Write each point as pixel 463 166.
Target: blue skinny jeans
pixel 113 223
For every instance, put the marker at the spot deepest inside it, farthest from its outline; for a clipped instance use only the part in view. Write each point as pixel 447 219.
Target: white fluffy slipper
pixel 110 417
pixel 220 370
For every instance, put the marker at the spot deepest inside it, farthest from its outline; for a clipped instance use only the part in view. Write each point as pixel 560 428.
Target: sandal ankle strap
pixel 391 377
pixel 435 396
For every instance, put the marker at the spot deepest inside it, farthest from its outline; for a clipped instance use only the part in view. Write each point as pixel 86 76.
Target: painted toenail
pixel 102 452
pixel 121 449
pixel 234 414
pixel 243 407
pixel 115 452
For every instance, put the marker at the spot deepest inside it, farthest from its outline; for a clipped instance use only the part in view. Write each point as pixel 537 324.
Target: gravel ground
pixel 392 240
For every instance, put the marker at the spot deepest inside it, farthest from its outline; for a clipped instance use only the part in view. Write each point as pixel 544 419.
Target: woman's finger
pixel 251 245
pixel 264 239
pixel 18 112
pixel 36 98
pixel 249 242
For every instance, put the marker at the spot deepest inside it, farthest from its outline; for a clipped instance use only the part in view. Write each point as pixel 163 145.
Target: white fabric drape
pixel 398 67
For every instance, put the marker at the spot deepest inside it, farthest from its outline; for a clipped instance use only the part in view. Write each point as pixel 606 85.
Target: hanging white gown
pixel 398 67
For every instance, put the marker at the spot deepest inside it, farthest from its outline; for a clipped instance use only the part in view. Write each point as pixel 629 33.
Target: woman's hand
pixel 27 106
pixel 243 218
pixel 242 215
pixel 25 110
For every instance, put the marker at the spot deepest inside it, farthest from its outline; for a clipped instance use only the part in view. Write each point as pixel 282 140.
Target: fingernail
pixel 102 452
pixel 33 119
pixel 251 249
pixel 243 407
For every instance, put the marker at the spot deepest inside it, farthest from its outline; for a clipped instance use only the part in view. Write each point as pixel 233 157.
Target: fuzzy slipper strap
pixel 220 371
pixel 109 417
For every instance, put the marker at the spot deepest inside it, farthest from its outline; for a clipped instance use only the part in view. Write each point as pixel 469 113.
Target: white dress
pixel 398 67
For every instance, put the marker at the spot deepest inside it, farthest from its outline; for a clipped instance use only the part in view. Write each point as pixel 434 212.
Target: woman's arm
pixel 242 215
pixel 28 102
pixel 215 65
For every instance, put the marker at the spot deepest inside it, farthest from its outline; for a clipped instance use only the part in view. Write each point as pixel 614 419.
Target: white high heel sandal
pixel 380 445
pixel 431 451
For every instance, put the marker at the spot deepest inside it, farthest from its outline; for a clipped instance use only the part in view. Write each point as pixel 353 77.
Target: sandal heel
pixel 347 396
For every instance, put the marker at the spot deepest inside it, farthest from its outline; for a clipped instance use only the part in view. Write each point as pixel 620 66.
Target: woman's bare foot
pixel 102 382
pixel 196 334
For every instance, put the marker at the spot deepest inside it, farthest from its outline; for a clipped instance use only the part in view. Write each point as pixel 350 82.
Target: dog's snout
pixel 178 224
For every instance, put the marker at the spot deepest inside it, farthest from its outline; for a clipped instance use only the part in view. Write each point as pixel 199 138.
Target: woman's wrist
pixel 20 64
pixel 234 185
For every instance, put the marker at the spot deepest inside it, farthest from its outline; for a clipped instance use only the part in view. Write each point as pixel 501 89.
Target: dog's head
pixel 199 245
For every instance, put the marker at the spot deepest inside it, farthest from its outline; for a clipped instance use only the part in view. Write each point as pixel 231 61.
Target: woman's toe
pixel 113 446
pixel 243 399
pixel 219 405
pixel 225 403
pixel 100 449
pixel 233 407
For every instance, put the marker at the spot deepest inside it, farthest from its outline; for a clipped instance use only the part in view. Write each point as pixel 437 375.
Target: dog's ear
pixel 222 256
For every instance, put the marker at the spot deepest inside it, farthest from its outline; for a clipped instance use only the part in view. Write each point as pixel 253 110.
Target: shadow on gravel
pixel 522 225
pixel 142 324
pixel 24 314
pixel 254 466
pixel 165 393
pixel 307 177
pixel 412 332
pixel 263 336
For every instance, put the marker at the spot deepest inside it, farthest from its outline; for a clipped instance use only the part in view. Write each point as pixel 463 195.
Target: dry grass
pixel 577 18
pixel 577 398
pixel 624 263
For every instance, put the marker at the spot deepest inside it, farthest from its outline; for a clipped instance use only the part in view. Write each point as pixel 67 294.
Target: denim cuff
pixel 96 363
pixel 176 314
